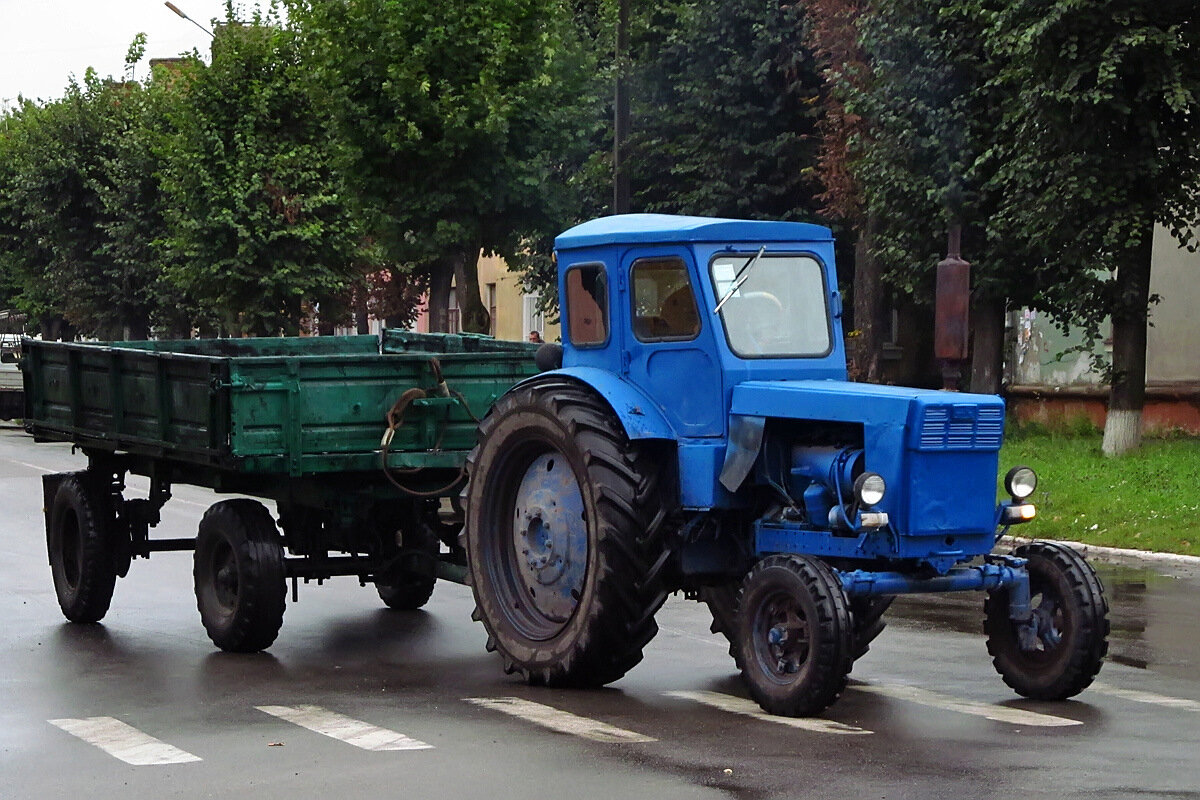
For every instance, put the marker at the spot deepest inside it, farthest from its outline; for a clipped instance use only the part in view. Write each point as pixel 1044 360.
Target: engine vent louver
pixel 962 427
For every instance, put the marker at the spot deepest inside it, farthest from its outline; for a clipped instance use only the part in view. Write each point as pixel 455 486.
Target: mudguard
pixel 638 414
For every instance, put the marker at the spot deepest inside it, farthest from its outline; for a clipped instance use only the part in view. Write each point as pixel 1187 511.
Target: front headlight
pixel 1020 482
pixel 869 488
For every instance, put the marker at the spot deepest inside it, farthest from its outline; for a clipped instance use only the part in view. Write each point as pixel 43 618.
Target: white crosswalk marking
pixel 748 708
pixel 124 741
pixel 561 721
pixel 1139 696
pixel 997 713
pixel 351 731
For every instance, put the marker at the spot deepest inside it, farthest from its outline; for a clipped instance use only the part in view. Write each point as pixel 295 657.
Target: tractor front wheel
pixel 795 635
pixel 1071 616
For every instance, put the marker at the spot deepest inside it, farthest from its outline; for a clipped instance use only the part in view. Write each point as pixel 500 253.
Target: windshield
pixel 779 310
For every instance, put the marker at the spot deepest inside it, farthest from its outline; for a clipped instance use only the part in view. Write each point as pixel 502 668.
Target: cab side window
pixel 664 305
pixel 587 304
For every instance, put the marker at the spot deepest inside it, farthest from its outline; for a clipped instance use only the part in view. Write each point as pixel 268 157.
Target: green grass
pixel 1148 500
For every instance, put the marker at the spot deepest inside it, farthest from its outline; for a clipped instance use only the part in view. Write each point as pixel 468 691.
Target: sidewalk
pixel 1116 555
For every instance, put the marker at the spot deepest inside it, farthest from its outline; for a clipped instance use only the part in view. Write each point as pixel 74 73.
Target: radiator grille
pixel 962 427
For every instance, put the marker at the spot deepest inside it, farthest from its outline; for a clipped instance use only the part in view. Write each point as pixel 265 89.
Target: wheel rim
pixel 70 549
pixel 1050 614
pixel 782 637
pixel 543 547
pixel 224 576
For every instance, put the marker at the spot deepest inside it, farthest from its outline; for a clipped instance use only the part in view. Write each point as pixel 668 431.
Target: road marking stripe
pixel 996 713
pixel 557 720
pixel 31 466
pixel 1139 696
pixel 124 741
pixel 740 705
pixel 351 731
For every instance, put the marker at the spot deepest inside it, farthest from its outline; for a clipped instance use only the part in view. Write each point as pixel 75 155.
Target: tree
pixel 724 110
pixel 453 118
pixel 259 227
pixel 61 221
pixel 1100 146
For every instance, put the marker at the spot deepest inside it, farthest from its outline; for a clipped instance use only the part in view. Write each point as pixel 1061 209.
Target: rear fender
pixel 639 416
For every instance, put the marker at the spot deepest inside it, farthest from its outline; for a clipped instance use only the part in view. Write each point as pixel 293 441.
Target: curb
pixel 1117 554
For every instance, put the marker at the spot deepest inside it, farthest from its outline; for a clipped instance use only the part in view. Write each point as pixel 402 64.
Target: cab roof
pixel 669 228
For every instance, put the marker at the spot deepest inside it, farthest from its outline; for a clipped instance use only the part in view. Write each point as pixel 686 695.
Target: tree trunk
pixel 1127 396
pixel 439 298
pixel 869 310
pixel 474 315
pixel 358 297
pixel 987 343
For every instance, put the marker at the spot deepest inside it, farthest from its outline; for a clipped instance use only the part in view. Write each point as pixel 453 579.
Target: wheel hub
pixel 549 536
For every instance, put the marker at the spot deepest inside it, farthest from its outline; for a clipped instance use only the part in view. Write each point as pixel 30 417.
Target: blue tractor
pixel 696 432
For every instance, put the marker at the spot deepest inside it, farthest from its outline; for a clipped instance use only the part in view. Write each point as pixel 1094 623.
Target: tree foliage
pixel 724 110
pixel 67 204
pixel 257 223
pixel 453 118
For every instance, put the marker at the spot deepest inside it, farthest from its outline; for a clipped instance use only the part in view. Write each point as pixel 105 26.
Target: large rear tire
pixel 239 575
pixel 795 635
pixel 1072 618
pixel 81 557
pixel 561 537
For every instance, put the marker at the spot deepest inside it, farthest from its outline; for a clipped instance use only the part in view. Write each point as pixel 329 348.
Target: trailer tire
pixel 239 576
pixel 81 557
pixel 1068 599
pixel 563 536
pixel 407 581
pixel 795 635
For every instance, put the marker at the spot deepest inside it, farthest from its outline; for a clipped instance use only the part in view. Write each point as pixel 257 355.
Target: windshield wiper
pixel 740 278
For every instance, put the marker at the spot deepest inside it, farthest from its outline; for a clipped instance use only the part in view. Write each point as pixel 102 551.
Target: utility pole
pixel 621 113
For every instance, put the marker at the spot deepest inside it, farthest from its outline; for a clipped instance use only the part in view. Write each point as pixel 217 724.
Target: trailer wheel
pixel 81 560
pixel 562 537
pixel 239 576
pixel 795 635
pixel 407 581
pixel 1072 614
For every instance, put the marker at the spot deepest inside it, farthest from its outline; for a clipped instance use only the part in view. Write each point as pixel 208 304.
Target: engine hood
pixel 933 420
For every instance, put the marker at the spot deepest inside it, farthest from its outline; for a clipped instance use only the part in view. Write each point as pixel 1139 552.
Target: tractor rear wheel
pixel 239 574
pixel 795 635
pixel 561 536
pixel 1072 625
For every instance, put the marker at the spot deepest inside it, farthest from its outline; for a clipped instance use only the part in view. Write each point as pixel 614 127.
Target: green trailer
pixel 360 441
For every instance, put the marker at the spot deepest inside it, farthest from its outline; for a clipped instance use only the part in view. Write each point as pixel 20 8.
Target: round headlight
pixel 1020 482
pixel 869 488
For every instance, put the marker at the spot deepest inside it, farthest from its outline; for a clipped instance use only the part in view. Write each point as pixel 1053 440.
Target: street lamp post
pixel 177 10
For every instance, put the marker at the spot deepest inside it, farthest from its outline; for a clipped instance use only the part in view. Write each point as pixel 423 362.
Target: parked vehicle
pixel 12 396
pixel 694 432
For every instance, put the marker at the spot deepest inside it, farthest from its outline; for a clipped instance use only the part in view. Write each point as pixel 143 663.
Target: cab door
pixel 669 346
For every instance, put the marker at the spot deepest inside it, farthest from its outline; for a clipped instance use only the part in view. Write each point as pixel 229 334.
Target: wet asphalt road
pixel 926 715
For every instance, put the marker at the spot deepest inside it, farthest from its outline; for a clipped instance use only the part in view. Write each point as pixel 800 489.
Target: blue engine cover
pixel 938 452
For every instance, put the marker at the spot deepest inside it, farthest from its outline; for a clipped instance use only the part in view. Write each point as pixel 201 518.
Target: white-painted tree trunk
pixel 1122 432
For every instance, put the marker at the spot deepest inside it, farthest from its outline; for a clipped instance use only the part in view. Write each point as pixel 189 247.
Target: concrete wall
pixel 1173 339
